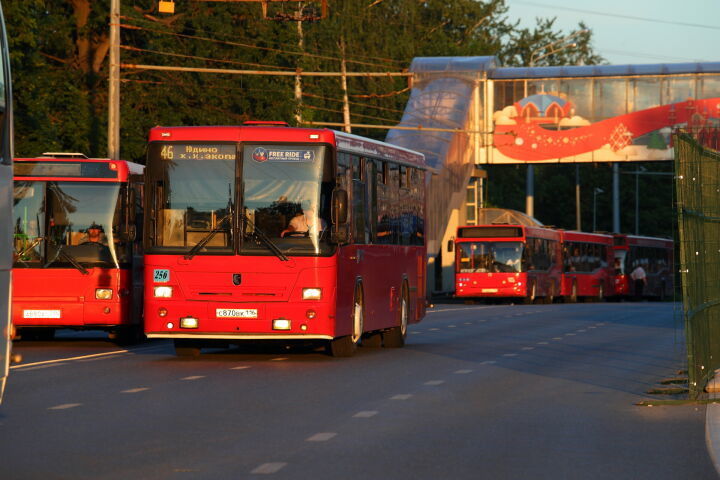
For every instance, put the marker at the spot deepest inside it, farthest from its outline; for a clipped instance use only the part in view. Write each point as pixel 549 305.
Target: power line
pixel 616 15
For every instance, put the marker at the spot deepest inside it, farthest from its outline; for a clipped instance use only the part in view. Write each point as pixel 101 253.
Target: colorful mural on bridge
pixel 544 127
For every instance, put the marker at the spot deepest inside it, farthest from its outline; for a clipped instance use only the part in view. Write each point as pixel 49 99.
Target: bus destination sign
pixel 174 151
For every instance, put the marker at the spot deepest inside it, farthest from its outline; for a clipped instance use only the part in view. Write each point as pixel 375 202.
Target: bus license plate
pixel 41 313
pixel 236 312
pixel 489 290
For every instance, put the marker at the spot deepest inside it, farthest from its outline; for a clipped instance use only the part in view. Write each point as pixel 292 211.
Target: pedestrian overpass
pixel 466 112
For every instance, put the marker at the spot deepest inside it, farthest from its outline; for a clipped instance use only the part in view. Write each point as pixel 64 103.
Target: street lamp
pixel 639 170
pixel 595 194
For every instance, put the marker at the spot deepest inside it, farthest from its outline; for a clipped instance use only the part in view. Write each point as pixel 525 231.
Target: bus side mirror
pixel 339 207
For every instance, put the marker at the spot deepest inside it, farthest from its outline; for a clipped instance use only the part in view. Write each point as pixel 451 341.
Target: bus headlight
pixel 281 324
pixel 188 322
pixel 103 294
pixel 162 292
pixel 311 293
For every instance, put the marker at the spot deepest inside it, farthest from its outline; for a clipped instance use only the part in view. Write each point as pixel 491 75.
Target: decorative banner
pixel 542 128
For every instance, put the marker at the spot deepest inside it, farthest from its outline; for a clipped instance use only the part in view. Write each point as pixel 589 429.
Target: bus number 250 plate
pixel 161 275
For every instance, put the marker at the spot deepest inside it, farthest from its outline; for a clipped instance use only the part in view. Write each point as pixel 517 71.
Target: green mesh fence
pixel 697 171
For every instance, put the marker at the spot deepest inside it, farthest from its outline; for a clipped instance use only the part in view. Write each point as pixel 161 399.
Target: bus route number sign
pixel 161 275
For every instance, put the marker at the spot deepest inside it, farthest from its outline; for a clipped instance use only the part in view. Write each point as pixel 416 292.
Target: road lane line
pixel 40 367
pixel 365 414
pixel 135 390
pixel 461 372
pixel 401 396
pixel 193 377
pixel 488 362
pixel 451 326
pixel 543 343
pixel 434 329
pixel 65 406
pixel 241 367
pixel 434 382
pixel 557 338
pixel 527 348
pixel 69 359
pixel 278 359
pixel 269 468
pixel 569 334
pixel 321 437
pixel 510 355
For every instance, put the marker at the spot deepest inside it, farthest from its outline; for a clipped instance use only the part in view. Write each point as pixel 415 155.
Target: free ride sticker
pixel 262 154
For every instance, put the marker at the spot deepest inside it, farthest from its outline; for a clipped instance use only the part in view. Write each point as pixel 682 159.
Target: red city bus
pixel 655 255
pixel 77 261
pixel 266 232
pixel 587 265
pixel 501 261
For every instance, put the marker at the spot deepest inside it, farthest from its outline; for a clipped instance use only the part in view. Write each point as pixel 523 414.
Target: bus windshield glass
pixel 490 257
pixel 192 190
pixel 68 224
pixel 286 197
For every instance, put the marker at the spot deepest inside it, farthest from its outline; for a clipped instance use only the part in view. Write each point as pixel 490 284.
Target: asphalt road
pixel 479 392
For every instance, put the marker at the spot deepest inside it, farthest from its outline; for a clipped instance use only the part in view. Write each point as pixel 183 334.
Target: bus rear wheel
pixel 395 337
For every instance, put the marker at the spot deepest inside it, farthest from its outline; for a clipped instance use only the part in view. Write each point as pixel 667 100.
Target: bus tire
pixel 395 337
pixel 550 297
pixel 372 340
pixel 530 298
pixel 186 348
pixel 346 346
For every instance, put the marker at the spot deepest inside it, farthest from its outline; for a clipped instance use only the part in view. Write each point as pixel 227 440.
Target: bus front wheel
pixel 347 345
pixel 395 337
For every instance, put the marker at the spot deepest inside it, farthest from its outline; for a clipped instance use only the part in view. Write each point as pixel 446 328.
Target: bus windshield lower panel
pixel 66 224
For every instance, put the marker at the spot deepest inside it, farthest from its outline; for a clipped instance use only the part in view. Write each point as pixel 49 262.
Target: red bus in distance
pixel 587 266
pixel 77 260
pixel 655 255
pixel 508 261
pixel 266 232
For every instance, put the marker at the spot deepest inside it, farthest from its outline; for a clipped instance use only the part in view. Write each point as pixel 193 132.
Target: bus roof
pixel 75 168
pixel 279 133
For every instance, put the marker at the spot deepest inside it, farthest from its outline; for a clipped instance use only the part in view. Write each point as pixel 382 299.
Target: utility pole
pixel 298 78
pixel 113 151
pixel 346 104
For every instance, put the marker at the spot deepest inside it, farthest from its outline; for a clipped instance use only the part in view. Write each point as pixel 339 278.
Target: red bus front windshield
pixel 61 224
pixel 203 195
pixel 490 257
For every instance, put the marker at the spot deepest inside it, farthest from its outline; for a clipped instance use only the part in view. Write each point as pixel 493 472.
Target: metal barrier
pixel 697 168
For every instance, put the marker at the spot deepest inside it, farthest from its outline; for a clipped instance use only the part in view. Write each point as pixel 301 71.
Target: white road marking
pixel 592 326
pixel 193 377
pixel 582 330
pixel 65 406
pixel 569 334
pixel 366 414
pixel 434 329
pixel 468 323
pixel 460 372
pixel 451 326
pixel 434 382
pixel 279 359
pixel 488 362
pixel 527 348
pixel 135 390
pixel 269 468
pixel 543 343
pixel 401 396
pixel 241 367
pixel 40 367
pixel 321 437
pixel 510 355
pixel 69 359
pixel 557 338
pixel 416 333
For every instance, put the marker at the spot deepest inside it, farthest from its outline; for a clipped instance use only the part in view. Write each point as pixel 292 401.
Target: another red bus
pixel 77 254
pixel 655 255
pixel 587 265
pixel 506 261
pixel 266 232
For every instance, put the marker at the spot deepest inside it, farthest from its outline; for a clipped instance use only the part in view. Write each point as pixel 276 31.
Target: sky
pixel 635 31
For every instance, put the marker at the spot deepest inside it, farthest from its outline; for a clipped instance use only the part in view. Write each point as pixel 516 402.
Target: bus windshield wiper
pixel 265 239
pixel 208 236
pixel 73 261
